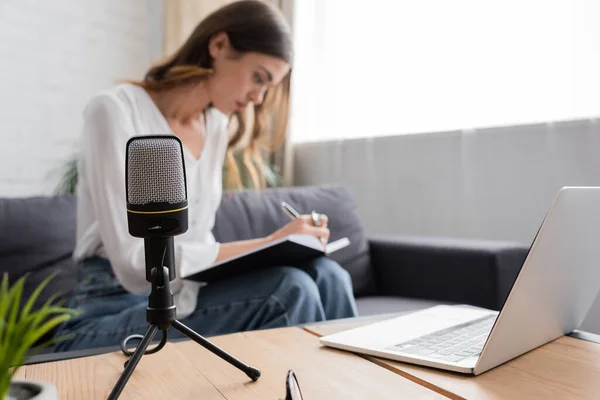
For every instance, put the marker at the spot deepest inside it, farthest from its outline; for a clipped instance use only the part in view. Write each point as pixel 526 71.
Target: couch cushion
pixel 38 237
pixel 251 214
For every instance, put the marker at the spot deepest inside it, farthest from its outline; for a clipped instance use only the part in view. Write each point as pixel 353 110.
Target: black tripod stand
pixel 161 315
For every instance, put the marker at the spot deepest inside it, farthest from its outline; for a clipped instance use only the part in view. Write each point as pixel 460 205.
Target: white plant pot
pixel 31 390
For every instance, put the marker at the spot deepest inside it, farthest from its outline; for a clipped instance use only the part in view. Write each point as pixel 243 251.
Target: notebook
pixel 290 250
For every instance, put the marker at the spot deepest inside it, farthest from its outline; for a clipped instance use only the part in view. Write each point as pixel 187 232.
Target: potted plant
pixel 21 328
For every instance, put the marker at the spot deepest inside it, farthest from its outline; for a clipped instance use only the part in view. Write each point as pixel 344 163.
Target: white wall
pixel 55 56
pixel 492 183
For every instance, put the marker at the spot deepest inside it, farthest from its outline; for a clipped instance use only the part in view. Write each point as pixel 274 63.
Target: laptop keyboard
pixel 451 344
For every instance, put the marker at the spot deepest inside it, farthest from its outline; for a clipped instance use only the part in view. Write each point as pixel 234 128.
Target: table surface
pixel 186 370
pixel 566 368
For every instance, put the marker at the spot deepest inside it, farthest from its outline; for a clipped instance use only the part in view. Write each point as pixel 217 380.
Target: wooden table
pixel 185 370
pixel 566 368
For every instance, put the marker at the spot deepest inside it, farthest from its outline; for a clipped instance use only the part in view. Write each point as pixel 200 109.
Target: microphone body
pixel 157 207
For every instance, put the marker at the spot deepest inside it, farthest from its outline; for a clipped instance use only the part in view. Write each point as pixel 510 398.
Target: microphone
pixel 157 210
pixel 156 191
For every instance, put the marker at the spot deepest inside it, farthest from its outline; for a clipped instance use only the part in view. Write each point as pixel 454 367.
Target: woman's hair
pixel 252 26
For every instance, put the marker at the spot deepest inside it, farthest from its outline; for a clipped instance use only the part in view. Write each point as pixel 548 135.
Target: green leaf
pixel 4 295
pixel 50 342
pixel 14 297
pixel 14 300
pixel 4 385
pixel 4 304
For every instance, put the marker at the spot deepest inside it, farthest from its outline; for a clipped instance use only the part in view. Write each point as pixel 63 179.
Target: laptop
pixel 557 284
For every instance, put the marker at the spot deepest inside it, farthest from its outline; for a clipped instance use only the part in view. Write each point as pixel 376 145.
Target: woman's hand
pixel 303 225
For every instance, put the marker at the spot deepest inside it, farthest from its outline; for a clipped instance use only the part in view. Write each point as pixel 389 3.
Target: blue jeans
pixel 267 298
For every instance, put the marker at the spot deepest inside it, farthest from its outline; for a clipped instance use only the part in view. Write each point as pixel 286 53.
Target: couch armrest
pixel 469 271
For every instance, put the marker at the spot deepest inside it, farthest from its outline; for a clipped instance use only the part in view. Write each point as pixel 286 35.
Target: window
pixel 386 67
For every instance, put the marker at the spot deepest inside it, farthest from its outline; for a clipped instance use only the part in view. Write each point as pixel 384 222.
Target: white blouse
pixel 110 119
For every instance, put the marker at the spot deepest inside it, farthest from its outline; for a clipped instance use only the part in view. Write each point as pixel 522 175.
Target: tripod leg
pixel 253 373
pixel 135 359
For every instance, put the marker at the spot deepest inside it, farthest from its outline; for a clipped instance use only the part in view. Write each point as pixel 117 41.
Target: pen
pixel 289 210
pixel 293 214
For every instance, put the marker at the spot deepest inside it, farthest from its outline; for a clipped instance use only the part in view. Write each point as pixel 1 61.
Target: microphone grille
pixel 155 170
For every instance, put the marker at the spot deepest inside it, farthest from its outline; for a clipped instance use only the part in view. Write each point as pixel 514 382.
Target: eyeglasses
pixel 292 389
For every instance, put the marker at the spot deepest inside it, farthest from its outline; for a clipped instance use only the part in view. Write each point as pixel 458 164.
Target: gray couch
pixel 389 274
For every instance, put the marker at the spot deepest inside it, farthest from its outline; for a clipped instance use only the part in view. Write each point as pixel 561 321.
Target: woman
pixel 227 66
